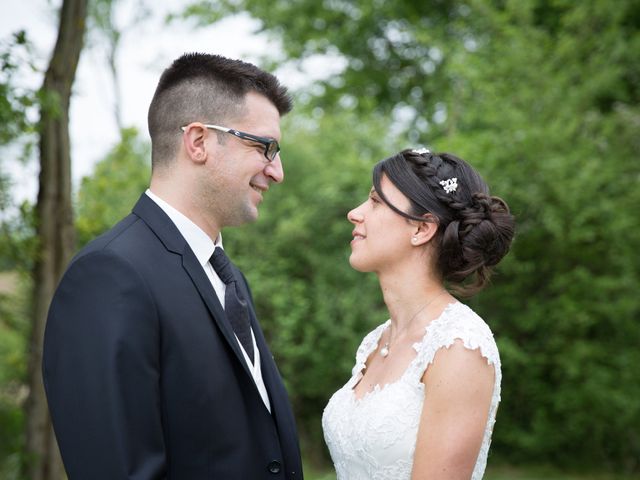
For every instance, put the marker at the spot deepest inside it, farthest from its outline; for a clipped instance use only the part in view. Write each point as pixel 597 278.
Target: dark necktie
pixel 234 305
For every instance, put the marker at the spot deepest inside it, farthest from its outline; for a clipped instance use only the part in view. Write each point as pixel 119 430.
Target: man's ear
pixel 193 139
pixel 424 231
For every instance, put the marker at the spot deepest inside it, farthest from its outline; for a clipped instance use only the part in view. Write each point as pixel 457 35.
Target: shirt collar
pixel 200 243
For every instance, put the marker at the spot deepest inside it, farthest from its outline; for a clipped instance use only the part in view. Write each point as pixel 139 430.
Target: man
pixel 151 368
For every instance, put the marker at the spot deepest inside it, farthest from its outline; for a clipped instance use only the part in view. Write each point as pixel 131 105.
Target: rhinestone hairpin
pixel 450 184
pixel 420 151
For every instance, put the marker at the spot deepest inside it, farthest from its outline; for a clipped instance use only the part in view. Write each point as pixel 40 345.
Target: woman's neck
pixel 409 295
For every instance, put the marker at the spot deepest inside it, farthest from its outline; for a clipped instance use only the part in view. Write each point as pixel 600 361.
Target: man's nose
pixel 274 170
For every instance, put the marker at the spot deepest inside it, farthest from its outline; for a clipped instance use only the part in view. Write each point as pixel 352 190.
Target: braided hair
pixel 475 229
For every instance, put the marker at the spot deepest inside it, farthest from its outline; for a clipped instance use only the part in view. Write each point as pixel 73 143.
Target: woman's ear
pixel 424 231
pixel 193 140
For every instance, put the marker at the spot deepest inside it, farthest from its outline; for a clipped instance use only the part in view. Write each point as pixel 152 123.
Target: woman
pixel 422 399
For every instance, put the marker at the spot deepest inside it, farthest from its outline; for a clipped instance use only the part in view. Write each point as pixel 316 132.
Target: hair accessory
pixel 421 151
pixel 450 184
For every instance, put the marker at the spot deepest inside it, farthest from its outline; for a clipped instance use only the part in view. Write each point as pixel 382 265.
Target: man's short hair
pixel 200 87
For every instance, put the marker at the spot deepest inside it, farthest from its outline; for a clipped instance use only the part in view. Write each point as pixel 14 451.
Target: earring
pixel 414 239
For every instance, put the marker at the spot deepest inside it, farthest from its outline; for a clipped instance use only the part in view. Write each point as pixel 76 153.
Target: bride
pixel 422 399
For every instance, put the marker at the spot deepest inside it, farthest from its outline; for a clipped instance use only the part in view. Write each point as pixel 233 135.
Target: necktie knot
pixel 222 265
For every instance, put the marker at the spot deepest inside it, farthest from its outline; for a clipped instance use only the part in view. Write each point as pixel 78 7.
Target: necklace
pixel 384 351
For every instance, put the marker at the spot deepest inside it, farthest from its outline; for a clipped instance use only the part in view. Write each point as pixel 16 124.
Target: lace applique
pixel 367 347
pixel 374 437
pixel 457 322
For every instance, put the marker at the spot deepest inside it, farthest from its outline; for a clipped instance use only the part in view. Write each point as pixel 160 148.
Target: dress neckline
pixel 377 388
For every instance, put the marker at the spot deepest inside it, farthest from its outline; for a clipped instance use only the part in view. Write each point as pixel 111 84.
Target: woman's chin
pixel 356 265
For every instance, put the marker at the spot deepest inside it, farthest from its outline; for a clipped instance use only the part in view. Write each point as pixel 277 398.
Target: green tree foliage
pixel 542 96
pixel 16 102
pixel 15 57
pixel 13 334
pixel 393 51
pixel 551 113
pixel 117 182
pixel 17 251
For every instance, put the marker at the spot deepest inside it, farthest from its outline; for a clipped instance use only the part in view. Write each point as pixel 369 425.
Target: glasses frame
pixel 271 146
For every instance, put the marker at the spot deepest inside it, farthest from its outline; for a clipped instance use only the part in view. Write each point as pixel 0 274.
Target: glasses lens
pixel 272 150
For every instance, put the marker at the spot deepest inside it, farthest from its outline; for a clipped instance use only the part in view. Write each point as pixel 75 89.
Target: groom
pixel 155 366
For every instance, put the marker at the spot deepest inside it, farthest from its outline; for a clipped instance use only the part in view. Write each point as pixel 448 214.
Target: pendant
pixel 384 351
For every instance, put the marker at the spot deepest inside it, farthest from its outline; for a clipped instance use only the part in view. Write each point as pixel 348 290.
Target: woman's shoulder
pixel 458 315
pixel 459 322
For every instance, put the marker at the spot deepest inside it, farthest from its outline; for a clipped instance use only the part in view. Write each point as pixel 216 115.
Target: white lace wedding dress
pixel 374 438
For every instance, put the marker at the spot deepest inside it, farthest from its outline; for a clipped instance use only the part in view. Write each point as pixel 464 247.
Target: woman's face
pixel 381 237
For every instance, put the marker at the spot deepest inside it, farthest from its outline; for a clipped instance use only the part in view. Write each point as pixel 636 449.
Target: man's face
pixel 237 173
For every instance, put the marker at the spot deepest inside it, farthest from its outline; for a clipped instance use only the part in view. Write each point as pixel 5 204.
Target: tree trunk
pixel 55 230
pixel 117 91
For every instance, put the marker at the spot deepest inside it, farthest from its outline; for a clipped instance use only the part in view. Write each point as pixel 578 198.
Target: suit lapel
pixel 172 239
pixel 204 287
pixel 280 406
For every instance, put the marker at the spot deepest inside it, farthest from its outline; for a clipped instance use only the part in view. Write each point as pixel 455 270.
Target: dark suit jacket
pixel 144 377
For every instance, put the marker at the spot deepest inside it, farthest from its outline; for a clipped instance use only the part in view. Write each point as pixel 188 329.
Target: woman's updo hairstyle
pixel 475 229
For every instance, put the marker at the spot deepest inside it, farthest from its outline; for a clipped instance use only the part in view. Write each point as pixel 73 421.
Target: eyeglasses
pixel 271 146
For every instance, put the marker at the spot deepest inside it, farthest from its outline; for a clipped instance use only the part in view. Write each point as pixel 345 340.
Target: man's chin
pixel 249 216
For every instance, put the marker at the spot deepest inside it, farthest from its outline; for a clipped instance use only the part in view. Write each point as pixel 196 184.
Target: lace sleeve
pixel 457 322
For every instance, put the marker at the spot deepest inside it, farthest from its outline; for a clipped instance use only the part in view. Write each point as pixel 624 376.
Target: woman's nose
pixel 354 216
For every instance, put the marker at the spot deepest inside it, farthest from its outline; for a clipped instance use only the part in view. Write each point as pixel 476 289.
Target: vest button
pixel 274 466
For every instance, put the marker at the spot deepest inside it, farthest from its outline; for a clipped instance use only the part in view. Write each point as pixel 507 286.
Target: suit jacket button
pixel 274 466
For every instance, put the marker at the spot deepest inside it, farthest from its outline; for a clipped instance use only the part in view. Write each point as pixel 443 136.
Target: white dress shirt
pixel 203 247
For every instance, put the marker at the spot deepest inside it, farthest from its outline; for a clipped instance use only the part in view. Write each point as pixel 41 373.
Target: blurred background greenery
pixel 541 96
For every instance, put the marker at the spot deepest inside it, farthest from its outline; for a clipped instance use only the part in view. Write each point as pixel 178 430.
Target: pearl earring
pixel 415 239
